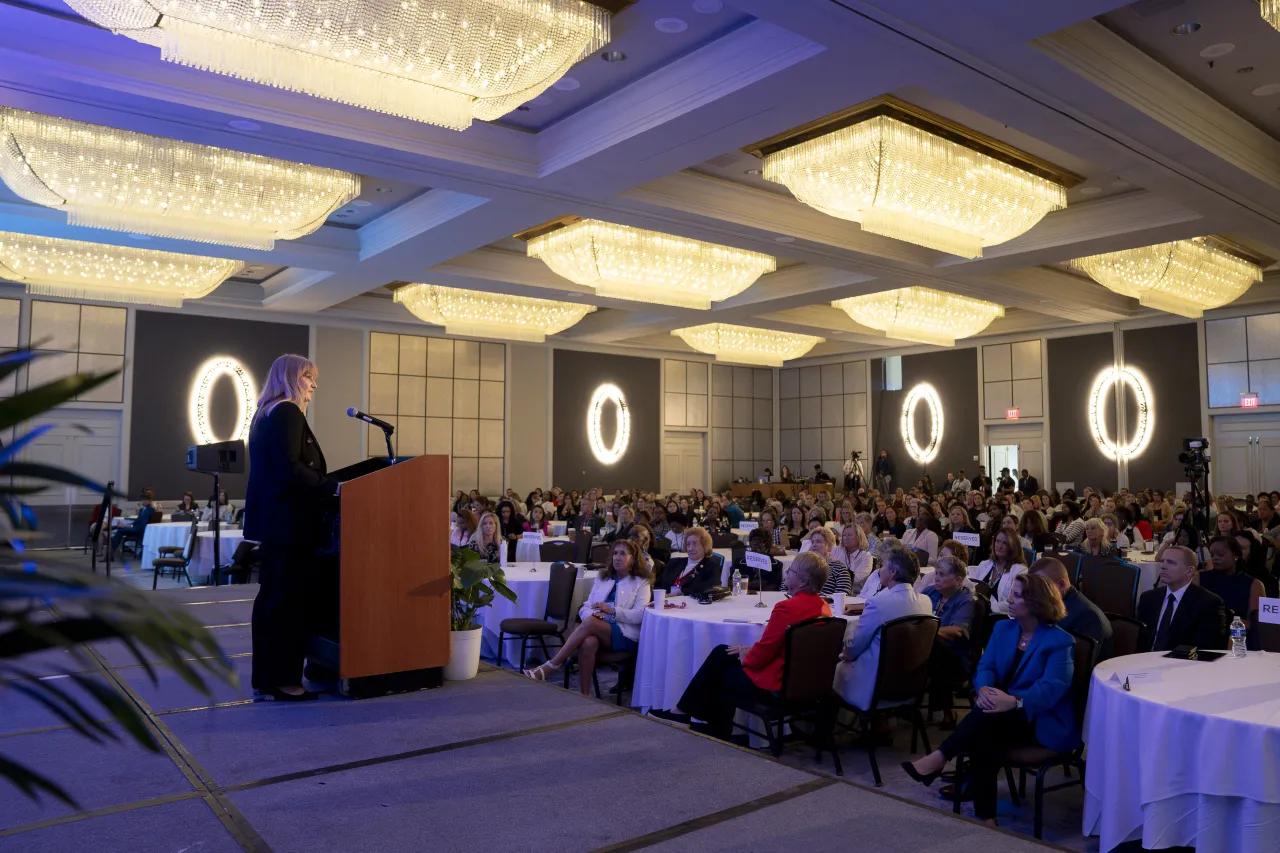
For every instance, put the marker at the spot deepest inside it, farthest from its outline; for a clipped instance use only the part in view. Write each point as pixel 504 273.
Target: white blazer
pixel 925 540
pixel 1000 602
pixel 856 675
pixel 628 607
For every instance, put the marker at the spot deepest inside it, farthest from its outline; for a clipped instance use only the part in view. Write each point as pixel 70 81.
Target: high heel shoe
pixel 274 694
pixel 923 779
pixel 540 673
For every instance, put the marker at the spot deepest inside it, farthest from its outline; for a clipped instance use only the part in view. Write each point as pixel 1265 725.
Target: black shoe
pixel 669 716
pixel 915 774
pixel 276 695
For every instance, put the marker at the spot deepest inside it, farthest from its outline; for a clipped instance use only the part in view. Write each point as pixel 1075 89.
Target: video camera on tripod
pixel 1195 457
pixel 1195 461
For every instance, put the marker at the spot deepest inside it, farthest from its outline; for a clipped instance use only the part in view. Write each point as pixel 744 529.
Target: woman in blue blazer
pixel 1023 694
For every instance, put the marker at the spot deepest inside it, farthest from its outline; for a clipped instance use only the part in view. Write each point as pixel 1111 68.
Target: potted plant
pixel 475 583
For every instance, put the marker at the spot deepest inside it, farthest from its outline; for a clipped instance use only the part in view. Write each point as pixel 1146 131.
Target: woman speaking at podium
pixel 288 487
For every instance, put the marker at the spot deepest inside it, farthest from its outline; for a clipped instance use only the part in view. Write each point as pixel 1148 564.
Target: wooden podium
pixel 394 579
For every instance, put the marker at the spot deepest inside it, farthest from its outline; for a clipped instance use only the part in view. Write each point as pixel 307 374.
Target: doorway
pixel 87 442
pixel 684 456
pixel 999 457
pixel 1016 446
pixel 1245 453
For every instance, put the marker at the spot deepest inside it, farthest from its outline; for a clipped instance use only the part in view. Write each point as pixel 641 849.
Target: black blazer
pixel 1199 621
pixel 289 485
pixel 705 575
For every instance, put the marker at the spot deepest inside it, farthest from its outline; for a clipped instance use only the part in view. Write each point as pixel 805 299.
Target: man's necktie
pixel 1162 633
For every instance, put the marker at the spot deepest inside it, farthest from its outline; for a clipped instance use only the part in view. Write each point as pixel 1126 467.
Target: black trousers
pixel 985 738
pixel 947 671
pixel 280 624
pixel 715 691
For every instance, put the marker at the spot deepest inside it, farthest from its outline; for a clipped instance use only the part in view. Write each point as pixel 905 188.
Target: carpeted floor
pixel 498 762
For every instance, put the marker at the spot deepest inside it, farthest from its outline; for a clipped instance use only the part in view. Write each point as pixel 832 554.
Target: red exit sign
pixel 1248 401
pixel 1014 414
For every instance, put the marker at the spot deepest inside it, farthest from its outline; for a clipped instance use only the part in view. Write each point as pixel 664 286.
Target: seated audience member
pixel 853 554
pixel 758 543
pixel 1228 522
pixel 821 542
pixel 1180 613
pixel 1253 556
pixel 1228 580
pixel 461 502
pixel 856 673
pixel 626 518
pixel 464 529
pixel 1095 542
pixel 661 527
pixel 734 513
pixel 511 525
pixel 1071 526
pixel 537 521
pixel 733 674
pixel 769 524
pixel 487 540
pixel 797 524
pixel 867 525
pixel 1083 616
pixel 697 571
pixel 610 616
pixel 225 511
pixel 950 664
pixel 890 525
pixel 676 535
pixel 188 504
pixel 924 536
pixel 958 520
pixel 1268 522
pixel 643 537
pixel 134 531
pixel 1118 538
pixel 1023 695
pixel 998 573
pixel 1187 537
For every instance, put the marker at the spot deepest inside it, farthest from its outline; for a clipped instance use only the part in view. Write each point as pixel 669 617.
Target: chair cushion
pixel 169 563
pixel 536 627
pixel 1034 756
pixel 169 549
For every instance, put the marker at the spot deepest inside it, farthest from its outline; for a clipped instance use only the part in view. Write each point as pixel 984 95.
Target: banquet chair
pixel 555 552
pixel 176 563
pixel 1125 631
pixel 902 678
pixel 1039 759
pixel 724 539
pixel 979 633
pixel 1109 583
pixel 558 611
pixel 601 552
pixel 811 650
pixel 1268 636
pixel 582 545
pixel 922 556
pixel 1071 561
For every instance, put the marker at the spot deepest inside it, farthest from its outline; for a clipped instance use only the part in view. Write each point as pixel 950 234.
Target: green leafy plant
pixel 475 584
pixel 47 608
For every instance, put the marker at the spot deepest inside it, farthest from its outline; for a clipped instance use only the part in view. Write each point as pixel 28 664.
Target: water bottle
pixel 737 581
pixel 1237 638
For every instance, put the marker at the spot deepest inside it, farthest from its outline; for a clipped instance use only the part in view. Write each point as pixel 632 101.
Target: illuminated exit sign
pixel 1248 401
pixel 1012 414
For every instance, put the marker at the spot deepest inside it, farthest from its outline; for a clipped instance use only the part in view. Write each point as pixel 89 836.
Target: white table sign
pixel 534 537
pixel 761 562
pixel 747 526
pixel 971 540
pixel 1269 610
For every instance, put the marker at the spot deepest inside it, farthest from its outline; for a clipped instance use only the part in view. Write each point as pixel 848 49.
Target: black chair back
pixel 983 589
pixel 554 552
pixel 1071 560
pixel 192 539
pixel 564 580
pixel 1086 650
pixel 582 545
pixel 1110 584
pixel 601 553
pixel 1125 631
pixel 922 556
pixel 902 673
pixel 724 539
pixel 812 650
pixel 978 630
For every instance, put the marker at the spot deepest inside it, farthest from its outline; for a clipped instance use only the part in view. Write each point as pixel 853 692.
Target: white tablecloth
pixel 1191 759
pixel 202 563
pixel 529 552
pixel 1148 571
pixel 530 582
pixel 171 533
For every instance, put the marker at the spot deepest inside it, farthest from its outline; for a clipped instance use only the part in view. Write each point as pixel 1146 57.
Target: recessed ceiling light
pixel 1090 190
pixel 753 172
pixel 570 293
pixel 671 25
pixel 542 101
pixel 1268 89
pixel 1213 51
pixel 707 7
pixel 244 124
pixel 1186 29
pixel 613 56
pixel 361 203
pixel 784 239
pixel 566 84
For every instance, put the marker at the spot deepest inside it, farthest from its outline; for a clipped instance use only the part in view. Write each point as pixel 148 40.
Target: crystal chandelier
pixel 1185 277
pixel 1271 12
pixel 77 270
pixel 622 262
pixel 479 314
pixel 880 166
pixel 132 182
pixel 921 314
pixel 444 62
pixel 747 345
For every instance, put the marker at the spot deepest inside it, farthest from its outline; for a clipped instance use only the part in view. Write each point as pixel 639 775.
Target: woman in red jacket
pixel 731 674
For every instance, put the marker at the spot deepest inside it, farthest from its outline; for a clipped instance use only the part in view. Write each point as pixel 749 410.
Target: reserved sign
pixel 534 537
pixel 761 562
pixel 1269 610
pixel 748 526
pixel 971 540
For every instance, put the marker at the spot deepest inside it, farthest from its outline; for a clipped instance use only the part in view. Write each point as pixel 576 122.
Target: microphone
pixel 353 412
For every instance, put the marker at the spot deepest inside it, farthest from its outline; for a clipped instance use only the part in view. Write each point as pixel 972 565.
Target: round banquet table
pixel 529 552
pixel 202 561
pixel 162 533
pixel 1189 756
pixel 1148 570
pixel 530 582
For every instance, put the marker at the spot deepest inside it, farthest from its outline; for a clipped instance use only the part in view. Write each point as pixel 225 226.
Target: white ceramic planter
pixel 464 655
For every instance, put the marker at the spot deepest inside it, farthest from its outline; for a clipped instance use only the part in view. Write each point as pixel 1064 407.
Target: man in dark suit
pixel 1027 484
pixel 1083 616
pixel 1180 613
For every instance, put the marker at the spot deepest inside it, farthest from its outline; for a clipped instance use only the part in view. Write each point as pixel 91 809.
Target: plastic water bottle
pixel 1237 638
pixel 737 581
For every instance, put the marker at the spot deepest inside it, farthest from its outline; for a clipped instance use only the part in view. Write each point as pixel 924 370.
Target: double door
pixel 1245 454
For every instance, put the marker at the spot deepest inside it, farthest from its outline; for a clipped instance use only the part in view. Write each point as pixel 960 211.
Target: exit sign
pixel 1012 414
pixel 1248 401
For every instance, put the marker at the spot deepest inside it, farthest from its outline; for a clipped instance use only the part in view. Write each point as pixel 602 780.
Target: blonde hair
pixel 284 383
pixel 497 529
pixel 825 533
pixel 859 536
pixel 1098 524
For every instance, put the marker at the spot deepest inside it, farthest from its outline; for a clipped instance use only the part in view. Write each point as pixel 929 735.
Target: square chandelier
pixel 136 183
pixel 74 269
pixel 746 344
pixel 622 262
pixel 921 314
pixel 443 62
pixel 476 313
pixel 903 172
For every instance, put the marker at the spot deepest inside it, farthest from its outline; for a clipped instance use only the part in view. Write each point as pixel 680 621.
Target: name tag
pixel 747 526
pixel 1269 610
pixel 972 540
pixel 535 538
pixel 762 562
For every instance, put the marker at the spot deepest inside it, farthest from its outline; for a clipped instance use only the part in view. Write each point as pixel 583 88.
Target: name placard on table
pixel 1269 610
pixel 534 537
pixel 971 540
pixel 762 562
pixel 748 526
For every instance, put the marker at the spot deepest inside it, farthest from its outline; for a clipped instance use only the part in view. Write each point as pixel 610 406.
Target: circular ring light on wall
pixel 201 389
pixel 1101 386
pixel 924 392
pixel 608 393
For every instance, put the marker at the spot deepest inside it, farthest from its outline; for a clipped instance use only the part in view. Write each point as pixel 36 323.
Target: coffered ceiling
pixel 1168 147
